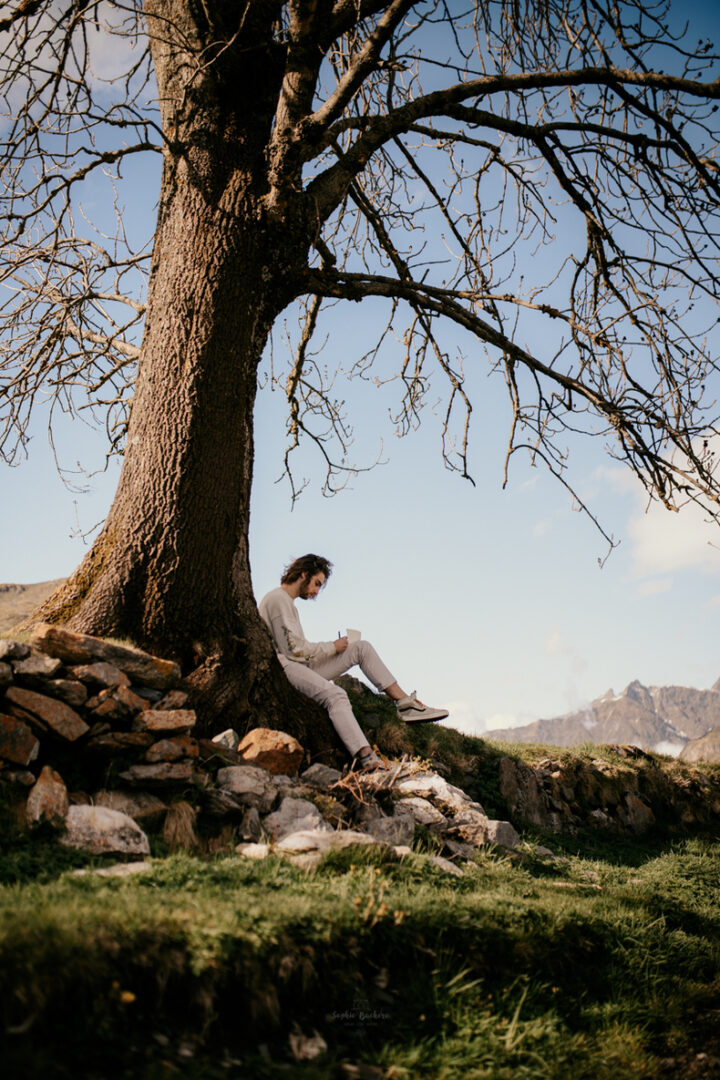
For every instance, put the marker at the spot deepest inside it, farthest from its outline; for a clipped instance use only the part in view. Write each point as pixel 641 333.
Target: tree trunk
pixel 170 569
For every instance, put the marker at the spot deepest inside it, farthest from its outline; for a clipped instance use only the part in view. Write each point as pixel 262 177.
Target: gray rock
pixel 321 776
pixel 293 815
pixel 101 831
pixel 6 675
pixel 253 851
pixel 141 806
pixel 126 869
pixel 38 666
pixel 306 849
pixel 422 813
pixel 71 691
pixel 432 786
pixel 396 830
pixel 229 739
pixel 446 865
pixel 502 834
pixel 253 786
pixel 13 650
pixel 459 850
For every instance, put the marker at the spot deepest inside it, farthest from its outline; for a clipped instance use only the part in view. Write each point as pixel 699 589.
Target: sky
pixel 490 602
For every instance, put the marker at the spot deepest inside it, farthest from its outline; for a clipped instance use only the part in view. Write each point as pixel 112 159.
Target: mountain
pixel 660 718
pixel 19 601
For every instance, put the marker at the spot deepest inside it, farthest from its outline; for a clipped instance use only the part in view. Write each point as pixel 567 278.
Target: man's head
pixel 310 571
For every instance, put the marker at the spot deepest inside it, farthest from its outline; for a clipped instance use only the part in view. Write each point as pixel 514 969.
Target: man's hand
pixel 341 644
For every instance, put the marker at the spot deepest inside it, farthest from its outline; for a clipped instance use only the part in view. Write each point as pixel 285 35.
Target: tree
pixel 334 150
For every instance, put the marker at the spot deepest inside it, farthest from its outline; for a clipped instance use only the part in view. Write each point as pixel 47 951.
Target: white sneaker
pixel 412 712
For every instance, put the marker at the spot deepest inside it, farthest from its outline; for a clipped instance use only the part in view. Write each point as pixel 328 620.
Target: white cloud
pixel 504 720
pixel 664 542
pixel 655 586
pixel 463 717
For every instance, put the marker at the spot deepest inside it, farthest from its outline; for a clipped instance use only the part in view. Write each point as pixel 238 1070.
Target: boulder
pixel 321 776
pixel 175 749
pixel 141 806
pixel 399 828
pixel 13 650
pixel 6 675
pixel 275 751
pixel 229 739
pixel 119 742
pixel 102 831
pixel 100 673
pixel 48 799
pixel 501 834
pixel 251 785
pixel 17 742
pixel 432 786
pixel 71 691
pixel 165 721
pixel 159 774
pixel 446 866
pixel 422 813
pixel 72 648
pixel 45 712
pixel 293 815
pixel 38 666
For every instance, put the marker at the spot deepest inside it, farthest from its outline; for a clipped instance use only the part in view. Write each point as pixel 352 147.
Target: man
pixel 310 666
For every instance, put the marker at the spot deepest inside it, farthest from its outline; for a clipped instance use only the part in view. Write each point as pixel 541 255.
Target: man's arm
pixel 281 617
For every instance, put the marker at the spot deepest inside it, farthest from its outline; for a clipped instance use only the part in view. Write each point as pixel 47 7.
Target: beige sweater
pixel 278 612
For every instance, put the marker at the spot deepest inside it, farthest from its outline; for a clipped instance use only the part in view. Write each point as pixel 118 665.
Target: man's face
pixel 311 586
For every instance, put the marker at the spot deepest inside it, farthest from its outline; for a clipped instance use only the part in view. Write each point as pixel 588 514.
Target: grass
pixel 530 968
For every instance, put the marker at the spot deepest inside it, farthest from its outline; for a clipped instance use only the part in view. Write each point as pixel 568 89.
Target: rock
pixel 161 774
pixel 321 776
pixel 293 815
pixel 36 666
pixel 17 742
pixel 275 751
pixel 13 650
pixel 229 739
pixel 430 785
pixel 422 813
pixel 162 721
pixel 119 703
pixel 119 742
pixel 306 848
pixel 72 648
pixel 182 746
pixel 639 816
pixel 48 799
pixel 446 865
pixel 47 712
pixel 102 831
pixel 6 675
pixel 460 851
pixel 176 699
pixel 21 777
pixel 253 851
pixel 141 806
pixel 71 691
pixel 501 834
pixel 398 829
pixel 252 786
pixel 100 674
pixel 126 869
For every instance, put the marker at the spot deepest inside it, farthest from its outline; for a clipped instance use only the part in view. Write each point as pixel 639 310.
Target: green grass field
pixel 602 964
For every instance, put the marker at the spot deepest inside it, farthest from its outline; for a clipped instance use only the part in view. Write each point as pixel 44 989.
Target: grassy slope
pixel 602 965
pixel 591 967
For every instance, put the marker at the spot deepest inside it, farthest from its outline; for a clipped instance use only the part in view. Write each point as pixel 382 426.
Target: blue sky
pixel 486 600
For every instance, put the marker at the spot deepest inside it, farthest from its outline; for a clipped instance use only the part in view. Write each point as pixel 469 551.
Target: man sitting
pixel 310 666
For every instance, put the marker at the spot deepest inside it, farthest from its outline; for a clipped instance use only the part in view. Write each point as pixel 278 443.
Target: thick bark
pixel 170 569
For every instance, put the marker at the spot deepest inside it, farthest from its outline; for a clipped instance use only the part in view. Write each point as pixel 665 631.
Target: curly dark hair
pixel 306 564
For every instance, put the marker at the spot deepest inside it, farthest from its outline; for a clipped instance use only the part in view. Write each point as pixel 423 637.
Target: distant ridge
pixel 19 601
pixel 660 718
